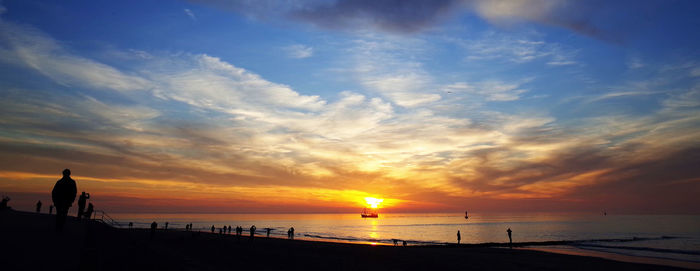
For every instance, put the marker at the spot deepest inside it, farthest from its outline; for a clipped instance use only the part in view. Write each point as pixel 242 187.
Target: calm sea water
pixel 662 236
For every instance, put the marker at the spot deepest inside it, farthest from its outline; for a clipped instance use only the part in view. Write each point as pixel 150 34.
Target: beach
pixel 29 242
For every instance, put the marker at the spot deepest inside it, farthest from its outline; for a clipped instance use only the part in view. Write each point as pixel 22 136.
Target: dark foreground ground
pixel 29 242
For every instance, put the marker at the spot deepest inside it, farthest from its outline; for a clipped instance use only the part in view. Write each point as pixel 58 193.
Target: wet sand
pixel 29 242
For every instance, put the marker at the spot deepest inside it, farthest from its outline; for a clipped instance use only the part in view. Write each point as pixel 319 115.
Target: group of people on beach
pixel 63 196
pixel 65 190
pixel 239 230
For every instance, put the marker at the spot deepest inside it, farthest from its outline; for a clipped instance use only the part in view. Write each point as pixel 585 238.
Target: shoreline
pixel 572 250
pixel 32 244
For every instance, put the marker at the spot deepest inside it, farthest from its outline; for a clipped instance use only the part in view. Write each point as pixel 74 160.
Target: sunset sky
pixel 311 106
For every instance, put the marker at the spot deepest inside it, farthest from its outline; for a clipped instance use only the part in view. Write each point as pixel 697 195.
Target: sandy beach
pixel 29 242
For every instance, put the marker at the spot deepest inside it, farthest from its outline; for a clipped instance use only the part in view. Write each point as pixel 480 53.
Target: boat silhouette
pixel 372 213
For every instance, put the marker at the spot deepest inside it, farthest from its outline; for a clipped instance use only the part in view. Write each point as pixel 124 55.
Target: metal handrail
pixel 105 218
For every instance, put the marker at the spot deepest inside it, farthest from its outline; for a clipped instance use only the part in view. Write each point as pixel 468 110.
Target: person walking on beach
pixel 51 209
pixel 459 237
pixel 268 232
pixel 81 203
pixel 252 231
pixel 229 229
pixel 154 226
pixel 291 233
pixel 63 196
pixel 131 225
pixel 510 237
pixel 38 206
pixel 212 228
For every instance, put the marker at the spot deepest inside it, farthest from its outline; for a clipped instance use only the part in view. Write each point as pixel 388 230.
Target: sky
pixel 311 106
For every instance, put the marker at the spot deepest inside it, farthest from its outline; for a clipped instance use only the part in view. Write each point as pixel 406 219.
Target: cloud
pixel 380 66
pixel 39 52
pixel 299 51
pixel 591 18
pixel 635 63
pixel 495 46
pixel 190 14
pixel 390 15
pixel 490 90
pixel 204 127
pixel 211 83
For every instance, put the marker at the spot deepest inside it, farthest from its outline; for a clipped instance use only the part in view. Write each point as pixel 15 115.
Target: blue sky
pixel 433 105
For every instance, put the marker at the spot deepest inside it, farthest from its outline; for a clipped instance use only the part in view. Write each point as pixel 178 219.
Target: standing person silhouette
pixel 154 226
pixel 510 237
pixel 63 196
pixel 459 237
pixel 89 211
pixel 38 206
pixel 252 231
pixel 81 203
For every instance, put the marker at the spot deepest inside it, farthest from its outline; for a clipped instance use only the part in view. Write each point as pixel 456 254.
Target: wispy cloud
pixel 490 90
pixel 380 66
pixel 37 51
pixel 497 46
pixel 299 51
pixel 190 14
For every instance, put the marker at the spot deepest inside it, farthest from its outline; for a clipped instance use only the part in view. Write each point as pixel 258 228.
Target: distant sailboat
pixel 372 213
pixel 466 215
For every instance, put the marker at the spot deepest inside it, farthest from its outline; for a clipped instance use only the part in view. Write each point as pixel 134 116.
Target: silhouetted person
pixel 154 226
pixel 459 237
pixel 131 225
pixel 81 203
pixel 212 228
pixel 166 225
pixel 3 203
pixel 51 209
pixel 291 232
pixel 63 195
pixel 252 231
pixel 38 206
pixel 89 211
pixel 510 237
pixel 229 229
pixel 404 243
pixel 268 231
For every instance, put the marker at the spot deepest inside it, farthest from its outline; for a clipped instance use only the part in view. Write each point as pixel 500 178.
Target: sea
pixel 665 237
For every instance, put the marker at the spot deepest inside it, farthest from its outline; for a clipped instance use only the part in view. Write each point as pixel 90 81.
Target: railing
pixel 103 217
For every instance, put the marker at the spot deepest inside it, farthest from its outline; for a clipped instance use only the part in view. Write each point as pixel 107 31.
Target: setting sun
pixel 373 202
